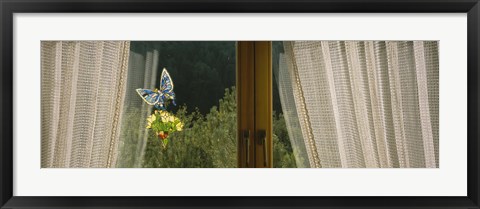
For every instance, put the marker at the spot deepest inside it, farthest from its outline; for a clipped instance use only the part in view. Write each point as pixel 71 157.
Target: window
pixel 246 104
pixel 203 74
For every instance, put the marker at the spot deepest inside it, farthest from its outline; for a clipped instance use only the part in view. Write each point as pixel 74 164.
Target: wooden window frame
pixel 254 101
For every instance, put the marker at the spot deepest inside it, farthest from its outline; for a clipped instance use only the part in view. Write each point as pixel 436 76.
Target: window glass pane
pixel 203 74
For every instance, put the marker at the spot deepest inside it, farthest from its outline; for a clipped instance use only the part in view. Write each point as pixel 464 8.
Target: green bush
pixel 206 141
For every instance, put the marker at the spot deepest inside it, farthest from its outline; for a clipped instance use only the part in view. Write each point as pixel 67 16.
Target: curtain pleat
pixel 83 90
pixel 362 103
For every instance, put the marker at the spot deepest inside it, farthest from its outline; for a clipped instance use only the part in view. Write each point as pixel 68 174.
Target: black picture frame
pixel 9 7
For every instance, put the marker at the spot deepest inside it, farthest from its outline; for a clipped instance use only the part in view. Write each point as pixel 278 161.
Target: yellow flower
pixel 150 120
pixel 179 126
pixel 164 115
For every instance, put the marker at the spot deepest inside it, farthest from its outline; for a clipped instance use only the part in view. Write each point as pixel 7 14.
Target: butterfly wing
pixel 149 96
pixel 166 86
pixel 166 83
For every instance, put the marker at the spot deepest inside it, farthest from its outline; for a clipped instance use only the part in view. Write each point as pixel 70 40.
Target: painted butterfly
pixel 159 97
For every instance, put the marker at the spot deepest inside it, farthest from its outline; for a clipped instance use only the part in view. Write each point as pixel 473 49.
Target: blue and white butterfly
pixel 159 97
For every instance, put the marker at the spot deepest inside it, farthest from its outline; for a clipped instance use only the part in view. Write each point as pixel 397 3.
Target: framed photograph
pixel 239 104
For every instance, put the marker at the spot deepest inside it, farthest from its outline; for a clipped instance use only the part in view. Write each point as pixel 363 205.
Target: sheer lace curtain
pixel 362 103
pixel 142 73
pixel 83 91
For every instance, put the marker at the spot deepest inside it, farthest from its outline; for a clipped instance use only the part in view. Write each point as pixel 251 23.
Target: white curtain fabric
pixel 83 90
pixel 362 103
pixel 286 91
pixel 142 73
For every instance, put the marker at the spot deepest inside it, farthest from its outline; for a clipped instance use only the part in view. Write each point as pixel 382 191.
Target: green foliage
pixel 206 142
pixel 210 141
pixel 280 130
pixel 282 158
pixel 130 135
pixel 282 149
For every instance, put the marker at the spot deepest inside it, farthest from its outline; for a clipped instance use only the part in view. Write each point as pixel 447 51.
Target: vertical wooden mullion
pixel 254 100
pixel 245 102
pixel 263 103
